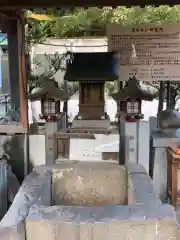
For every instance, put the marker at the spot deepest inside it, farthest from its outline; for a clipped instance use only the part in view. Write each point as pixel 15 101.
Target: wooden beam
pixel 9 4
pixel 10 13
pixel 10 129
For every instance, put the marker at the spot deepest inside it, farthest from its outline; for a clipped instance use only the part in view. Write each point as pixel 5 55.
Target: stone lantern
pixel 129 100
pixel 134 134
pixel 50 96
pixel 169 121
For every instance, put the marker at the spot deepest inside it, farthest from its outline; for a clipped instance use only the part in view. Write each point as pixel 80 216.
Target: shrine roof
pixel 95 66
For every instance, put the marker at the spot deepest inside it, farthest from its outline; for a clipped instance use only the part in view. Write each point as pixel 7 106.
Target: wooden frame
pixel 62 142
pixel 173 164
pixel 69 3
pixel 11 129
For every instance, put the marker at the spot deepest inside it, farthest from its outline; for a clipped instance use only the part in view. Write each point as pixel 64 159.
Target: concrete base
pixel 91 124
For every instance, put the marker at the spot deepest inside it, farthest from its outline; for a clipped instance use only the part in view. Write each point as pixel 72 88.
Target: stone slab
pixel 91 184
pixel 105 222
pixel 32 190
pixel 91 124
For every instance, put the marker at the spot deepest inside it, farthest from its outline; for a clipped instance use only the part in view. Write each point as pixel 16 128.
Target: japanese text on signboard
pixel 149 52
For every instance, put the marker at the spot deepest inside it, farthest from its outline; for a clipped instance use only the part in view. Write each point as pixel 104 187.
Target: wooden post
pixel 172 174
pixel 22 73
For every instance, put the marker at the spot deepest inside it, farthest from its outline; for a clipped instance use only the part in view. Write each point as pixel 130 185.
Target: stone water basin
pixel 78 200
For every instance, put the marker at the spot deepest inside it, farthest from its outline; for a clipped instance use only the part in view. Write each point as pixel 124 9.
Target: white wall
pixel 92 149
pixel 52 45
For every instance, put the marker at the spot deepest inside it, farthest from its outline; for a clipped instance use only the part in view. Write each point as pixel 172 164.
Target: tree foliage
pixel 79 22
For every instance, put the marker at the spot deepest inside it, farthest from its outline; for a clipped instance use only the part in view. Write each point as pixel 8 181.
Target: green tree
pixel 79 22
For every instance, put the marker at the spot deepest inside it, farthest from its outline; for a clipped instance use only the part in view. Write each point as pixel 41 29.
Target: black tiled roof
pixel 48 90
pixel 96 66
pixel 133 91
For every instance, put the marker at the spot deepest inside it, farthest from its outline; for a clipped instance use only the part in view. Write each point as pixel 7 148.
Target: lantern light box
pixel 50 108
pixel 50 96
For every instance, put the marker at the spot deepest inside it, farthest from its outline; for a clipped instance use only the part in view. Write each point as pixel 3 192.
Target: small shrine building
pixel 91 70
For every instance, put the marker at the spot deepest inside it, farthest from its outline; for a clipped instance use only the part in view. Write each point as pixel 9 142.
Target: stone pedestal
pixel 135 138
pixel 94 124
pixel 50 129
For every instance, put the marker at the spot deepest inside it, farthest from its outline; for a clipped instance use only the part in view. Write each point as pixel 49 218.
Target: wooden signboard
pixel 149 52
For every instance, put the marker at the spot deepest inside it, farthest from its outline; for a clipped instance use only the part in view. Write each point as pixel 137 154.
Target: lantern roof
pixel 133 91
pixel 91 66
pixel 48 90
